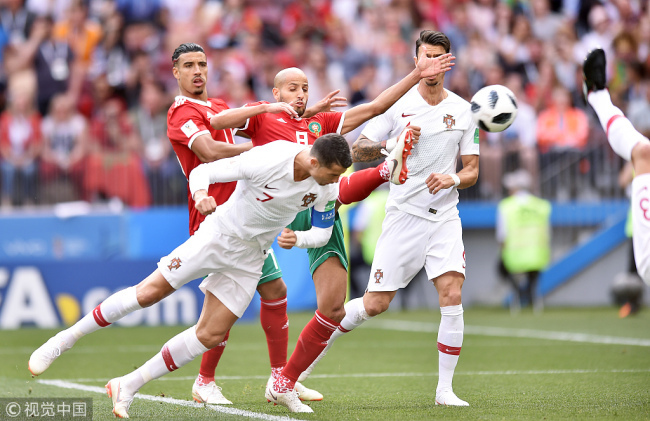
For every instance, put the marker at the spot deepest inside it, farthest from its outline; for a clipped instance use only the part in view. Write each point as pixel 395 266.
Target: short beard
pixel 299 111
pixel 198 91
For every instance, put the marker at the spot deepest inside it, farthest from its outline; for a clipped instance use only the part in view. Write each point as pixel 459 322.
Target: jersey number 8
pixel 302 138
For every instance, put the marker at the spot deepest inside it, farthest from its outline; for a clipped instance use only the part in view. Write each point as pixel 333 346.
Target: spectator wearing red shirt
pixel 114 168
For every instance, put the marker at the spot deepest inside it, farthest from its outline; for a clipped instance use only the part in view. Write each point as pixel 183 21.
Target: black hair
pixel 331 149
pixel 432 38
pixel 188 47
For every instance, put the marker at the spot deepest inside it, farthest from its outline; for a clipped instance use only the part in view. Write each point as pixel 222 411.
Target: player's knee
pixel 450 297
pixel 209 338
pixel 336 313
pixel 376 305
pixel 273 290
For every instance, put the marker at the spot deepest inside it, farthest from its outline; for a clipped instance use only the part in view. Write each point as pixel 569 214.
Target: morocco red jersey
pixel 187 119
pixel 266 127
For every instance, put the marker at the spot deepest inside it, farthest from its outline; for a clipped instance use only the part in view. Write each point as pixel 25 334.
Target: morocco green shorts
pixel 271 270
pixel 334 247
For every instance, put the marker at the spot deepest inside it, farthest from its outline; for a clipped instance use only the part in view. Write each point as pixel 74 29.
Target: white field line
pixel 417 374
pixel 400 325
pixel 223 409
pixel 406 326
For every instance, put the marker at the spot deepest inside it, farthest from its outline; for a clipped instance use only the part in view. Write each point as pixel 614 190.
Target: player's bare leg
pixel 215 320
pixel 147 293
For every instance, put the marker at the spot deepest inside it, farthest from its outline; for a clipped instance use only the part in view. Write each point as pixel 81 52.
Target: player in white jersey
pixel 276 181
pixel 630 145
pixel 421 214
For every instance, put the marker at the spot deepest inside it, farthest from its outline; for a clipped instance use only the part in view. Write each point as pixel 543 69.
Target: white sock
pixel 622 136
pixel 178 351
pixel 450 340
pixel 355 315
pixel 641 224
pixel 110 310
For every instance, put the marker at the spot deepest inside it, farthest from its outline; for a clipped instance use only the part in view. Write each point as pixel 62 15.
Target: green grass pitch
pixel 565 364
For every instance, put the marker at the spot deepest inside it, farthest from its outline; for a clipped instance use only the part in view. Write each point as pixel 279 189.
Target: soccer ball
pixel 494 108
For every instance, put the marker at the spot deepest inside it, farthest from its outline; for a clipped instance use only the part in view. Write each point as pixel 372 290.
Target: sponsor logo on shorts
pixel 379 275
pixel 175 263
pixel 308 199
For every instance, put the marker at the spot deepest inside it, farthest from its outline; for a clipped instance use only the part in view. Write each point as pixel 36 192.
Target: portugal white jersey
pixel 267 198
pixel 447 128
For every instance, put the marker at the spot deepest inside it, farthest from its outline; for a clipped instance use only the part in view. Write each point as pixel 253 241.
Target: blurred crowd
pixel 85 84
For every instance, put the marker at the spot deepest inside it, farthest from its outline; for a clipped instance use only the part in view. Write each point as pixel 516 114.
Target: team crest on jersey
pixel 449 121
pixel 308 199
pixel 315 128
pixel 379 275
pixel 175 263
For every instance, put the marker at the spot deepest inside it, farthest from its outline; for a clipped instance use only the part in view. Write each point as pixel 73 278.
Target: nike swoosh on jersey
pixel 281 120
pixel 270 188
pixel 407 115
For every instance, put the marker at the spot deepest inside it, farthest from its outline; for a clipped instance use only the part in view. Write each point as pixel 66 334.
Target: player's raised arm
pixel 426 67
pixel 207 150
pixel 235 118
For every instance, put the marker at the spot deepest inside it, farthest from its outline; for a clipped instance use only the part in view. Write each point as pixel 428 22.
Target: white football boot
pixel 307 394
pixel 209 393
pixel 45 355
pixel 304 393
pixel 290 399
pixel 397 158
pixel 447 397
pixel 121 397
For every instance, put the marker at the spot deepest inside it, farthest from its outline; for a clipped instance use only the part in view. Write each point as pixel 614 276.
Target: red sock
pixel 311 343
pixel 358 185
pixel 275 322
pixel 210 360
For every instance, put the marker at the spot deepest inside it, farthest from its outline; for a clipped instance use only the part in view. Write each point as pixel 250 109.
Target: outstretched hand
pixel 433 66
pixel 326 104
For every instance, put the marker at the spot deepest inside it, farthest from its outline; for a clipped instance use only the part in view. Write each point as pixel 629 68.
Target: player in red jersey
pixel 329 263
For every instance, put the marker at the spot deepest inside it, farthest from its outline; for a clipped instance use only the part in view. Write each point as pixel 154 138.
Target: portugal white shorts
pixel 641 224
pixel 234 266
pixel 407 243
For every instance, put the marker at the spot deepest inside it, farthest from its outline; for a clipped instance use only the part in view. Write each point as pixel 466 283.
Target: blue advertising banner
pixel 55 294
